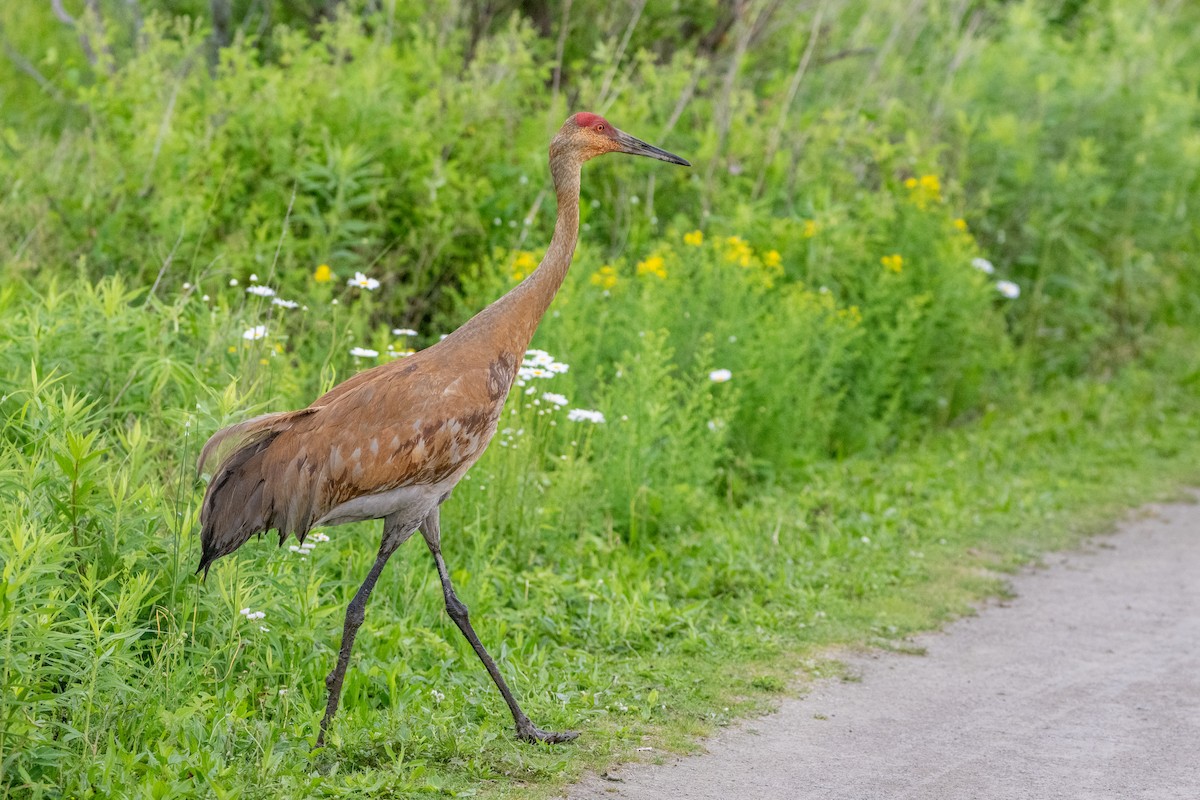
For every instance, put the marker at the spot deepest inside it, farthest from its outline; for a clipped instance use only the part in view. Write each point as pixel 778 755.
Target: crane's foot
pixel 528 732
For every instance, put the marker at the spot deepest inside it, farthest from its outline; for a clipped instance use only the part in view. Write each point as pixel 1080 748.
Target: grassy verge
pixel 122 682
pixel 875 551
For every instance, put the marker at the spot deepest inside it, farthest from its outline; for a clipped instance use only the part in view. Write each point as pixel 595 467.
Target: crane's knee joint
pixel 456 609
pixel 355 615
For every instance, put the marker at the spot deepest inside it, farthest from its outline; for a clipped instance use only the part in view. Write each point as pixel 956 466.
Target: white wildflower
pixel 1008 289
pixel 557 399
pixel 260 291
pixel 253 278
pixel 436 695
pixel 364 352
pixel 275 301
pixel 403 332
pixel 720 375
pixel 264 629
pixel 319 537
pixel 255 333
pixel 983 265
pixel 233 281
pixel 361 281
pixel 585 415
pixel 538 358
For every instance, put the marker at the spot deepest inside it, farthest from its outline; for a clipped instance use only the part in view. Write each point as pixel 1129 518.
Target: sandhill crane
pixel 391 442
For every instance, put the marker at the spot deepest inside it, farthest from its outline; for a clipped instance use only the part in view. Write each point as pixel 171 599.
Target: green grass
pixel 126 675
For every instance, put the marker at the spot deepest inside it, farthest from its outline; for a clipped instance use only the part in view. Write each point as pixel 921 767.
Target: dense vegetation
pixel 931 283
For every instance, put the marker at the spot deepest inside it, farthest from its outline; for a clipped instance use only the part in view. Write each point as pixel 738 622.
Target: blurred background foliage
pixel 902 218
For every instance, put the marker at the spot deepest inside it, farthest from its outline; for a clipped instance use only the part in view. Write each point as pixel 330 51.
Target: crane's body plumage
pixel 392 442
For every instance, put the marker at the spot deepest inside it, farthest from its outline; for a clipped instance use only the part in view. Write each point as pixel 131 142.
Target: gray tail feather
pixel 238 503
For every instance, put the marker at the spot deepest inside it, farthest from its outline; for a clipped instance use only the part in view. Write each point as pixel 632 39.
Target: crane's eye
pixel 600 128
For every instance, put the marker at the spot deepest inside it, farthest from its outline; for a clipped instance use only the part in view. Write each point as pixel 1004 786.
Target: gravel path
pixel 1087 685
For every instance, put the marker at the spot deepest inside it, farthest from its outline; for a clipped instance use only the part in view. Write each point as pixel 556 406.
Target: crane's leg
pixel 354 617
pixel 526 730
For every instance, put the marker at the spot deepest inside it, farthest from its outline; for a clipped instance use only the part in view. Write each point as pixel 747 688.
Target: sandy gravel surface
pixel 1087 685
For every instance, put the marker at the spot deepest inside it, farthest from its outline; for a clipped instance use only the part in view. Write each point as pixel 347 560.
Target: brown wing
pixel 421 421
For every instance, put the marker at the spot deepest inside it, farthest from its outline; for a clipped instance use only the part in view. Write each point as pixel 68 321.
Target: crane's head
pixel 585 136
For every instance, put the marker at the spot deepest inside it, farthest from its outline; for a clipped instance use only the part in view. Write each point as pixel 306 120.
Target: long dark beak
pixel 636 147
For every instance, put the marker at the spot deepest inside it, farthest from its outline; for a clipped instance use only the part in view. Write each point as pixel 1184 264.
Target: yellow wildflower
pixel 810 228
pixel 523 264
pixel 924 190
pixel 695 238
pixel 232 349
pixel 323 274
pixel 772 259
pixel 894 262
pixel 652 266
pixel 960 224
pixel 737 251
pixel 605 277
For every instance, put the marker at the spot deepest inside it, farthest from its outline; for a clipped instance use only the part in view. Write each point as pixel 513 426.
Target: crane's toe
pixel 531 733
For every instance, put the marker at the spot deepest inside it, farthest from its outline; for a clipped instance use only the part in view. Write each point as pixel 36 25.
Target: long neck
pixel 538 290
pixel 510 321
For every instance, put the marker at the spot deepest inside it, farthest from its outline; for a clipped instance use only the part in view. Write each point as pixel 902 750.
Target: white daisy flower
pixel 556 399
pixel 275 301
pixel 261 291
pixel 538 358
pixel 1008 289
pixel 720 375
pixel 403 332
pixel 983 265
pixel 361 281
pixel 364 352
pixel 255 333
pixel 585 415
